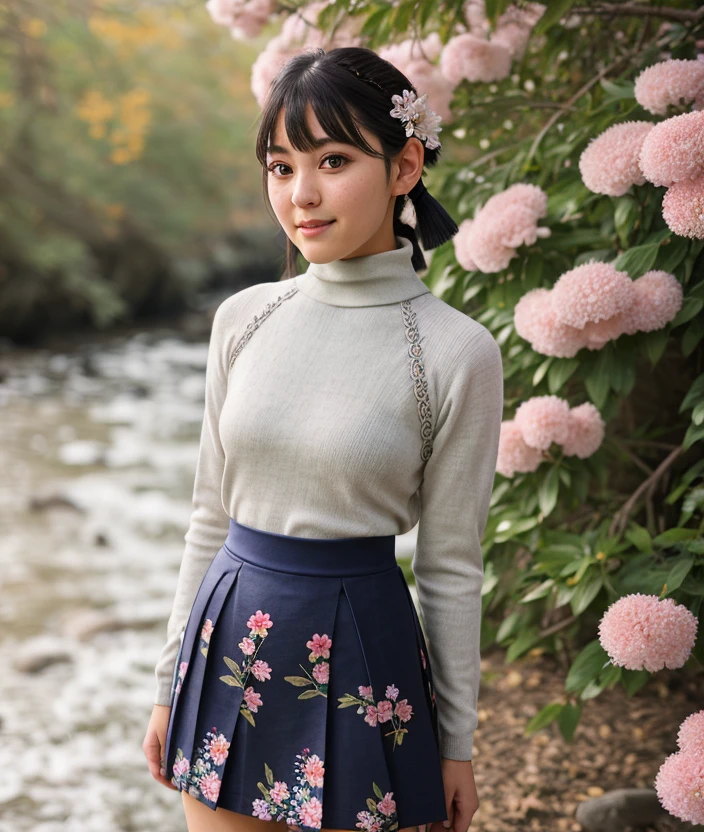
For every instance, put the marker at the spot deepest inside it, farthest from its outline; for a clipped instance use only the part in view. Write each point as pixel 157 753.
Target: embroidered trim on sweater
pixel 420 383
pixel 257 321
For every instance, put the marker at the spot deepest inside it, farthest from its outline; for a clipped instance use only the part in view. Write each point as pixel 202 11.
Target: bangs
pixel 335 116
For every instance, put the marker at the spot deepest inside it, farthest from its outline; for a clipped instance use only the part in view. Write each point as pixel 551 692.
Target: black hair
pixel 347 86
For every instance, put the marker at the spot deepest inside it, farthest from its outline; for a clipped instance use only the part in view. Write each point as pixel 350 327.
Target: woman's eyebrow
pixel 277 148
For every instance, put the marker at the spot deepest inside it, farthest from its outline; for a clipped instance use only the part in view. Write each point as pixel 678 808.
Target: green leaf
pixel 569 720
pixel 560 371
pixel 672 537
pixel 586 667
pixel 617 90
pixel 377 791
pixel 525 640
pixel 695 394
pixel 680 569
pixel 540 372
pixel 544 717
pixel 309 694
pixel 269 775
pixel 598 382
pixel 586 591
pixel 637 260
pixel 549 490
pixel 539 591
pixel 655 345
pixel 690 307
pixel 640 538
pixel 298 681
pixel 633 680
pixel 692 336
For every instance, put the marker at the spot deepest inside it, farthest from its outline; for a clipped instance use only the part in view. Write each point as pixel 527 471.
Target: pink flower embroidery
pixel 422 658
pixel 387 806
pixel 382 817
pixel 261 670
pixel 261 809
pixel 319 677
pixel 371 717
pixel 252 699
pixel 247 646
pixel 218 749
pixel 207 631
pixel 314 770
pixel 259 623
pixel 181 766
pixel 311 813
pixel 365 691
pixel 279 792
pixel 321 673
pixel 384 710
pixel 403 710
pixel 391 692
pixel 320 646
pixel 210 786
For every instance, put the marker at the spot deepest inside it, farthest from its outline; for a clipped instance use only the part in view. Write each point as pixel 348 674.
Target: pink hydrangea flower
pixel 514 27
pixel 415 59
pixel 673 150
pixel 514 455
pixel 543 420
pixel 535 321
pixel 506 221
pixel 658 297
pixel 679 784
pixel 596 334
pixel 642 632
pixel 683 208
pixel 593 291
pixel 585 431
pixel 267 66
pixel 470 57
pixel 674 82
pixel 690 736
pixel 244 19
pixel 609 164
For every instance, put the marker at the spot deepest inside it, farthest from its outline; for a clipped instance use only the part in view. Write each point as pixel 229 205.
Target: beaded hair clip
pixel 420 120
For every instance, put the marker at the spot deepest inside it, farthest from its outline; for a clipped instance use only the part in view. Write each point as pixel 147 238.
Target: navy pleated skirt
pixel 303 690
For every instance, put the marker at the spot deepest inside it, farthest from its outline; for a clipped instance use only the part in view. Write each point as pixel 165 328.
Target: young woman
pixel 343 405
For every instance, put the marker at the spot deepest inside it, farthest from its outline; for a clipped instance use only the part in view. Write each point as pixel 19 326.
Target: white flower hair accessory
pixel 422 122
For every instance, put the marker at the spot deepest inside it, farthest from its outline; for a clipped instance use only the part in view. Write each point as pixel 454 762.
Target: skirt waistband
pixel 317 556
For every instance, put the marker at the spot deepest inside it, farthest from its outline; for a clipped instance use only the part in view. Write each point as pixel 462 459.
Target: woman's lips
pixel 313 232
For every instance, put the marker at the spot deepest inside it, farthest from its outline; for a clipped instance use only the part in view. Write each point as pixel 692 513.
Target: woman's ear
pixel 410 166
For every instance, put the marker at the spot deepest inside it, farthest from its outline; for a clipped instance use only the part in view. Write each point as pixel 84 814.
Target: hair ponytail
pixel 434 225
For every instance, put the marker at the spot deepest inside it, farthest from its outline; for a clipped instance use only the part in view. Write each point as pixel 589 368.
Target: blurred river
pixel 98 451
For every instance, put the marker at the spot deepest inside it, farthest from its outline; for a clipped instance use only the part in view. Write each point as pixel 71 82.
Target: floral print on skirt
pixel 303 691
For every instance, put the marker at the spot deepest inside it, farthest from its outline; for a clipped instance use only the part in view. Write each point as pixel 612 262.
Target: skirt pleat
pixel 302 692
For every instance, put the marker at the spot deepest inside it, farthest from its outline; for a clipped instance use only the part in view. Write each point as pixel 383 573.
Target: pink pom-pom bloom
pixel 658 297
pixel 585 431
pixel 642 632
pixel 593 292
pixel 609 164
pixel 674 82
pixel 673 150
pixel 690 737
pixel 267 66
pixel 535 320
pixel 514 455
pixel 683 208
pixel 244 19
pixel 543 420
pixel 414 59
pixel 679 784
pixel 507 220
pixel 470 57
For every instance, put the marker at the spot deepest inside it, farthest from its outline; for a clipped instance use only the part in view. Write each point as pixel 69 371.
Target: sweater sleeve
pixel 209 522
pixel 448 563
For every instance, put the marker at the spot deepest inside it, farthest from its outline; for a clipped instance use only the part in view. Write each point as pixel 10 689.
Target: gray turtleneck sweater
pixel 350 401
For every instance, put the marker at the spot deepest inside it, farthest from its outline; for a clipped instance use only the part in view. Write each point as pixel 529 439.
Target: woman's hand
pixel 460 796
pixel 154 742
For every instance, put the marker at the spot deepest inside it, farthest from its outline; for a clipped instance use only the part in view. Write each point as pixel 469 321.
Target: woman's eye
pixel 338 156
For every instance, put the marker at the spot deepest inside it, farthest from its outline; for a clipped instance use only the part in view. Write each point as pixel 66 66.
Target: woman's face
pixel 341 184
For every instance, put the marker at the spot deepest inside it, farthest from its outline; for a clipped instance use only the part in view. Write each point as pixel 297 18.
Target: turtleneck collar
pixel 371 280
